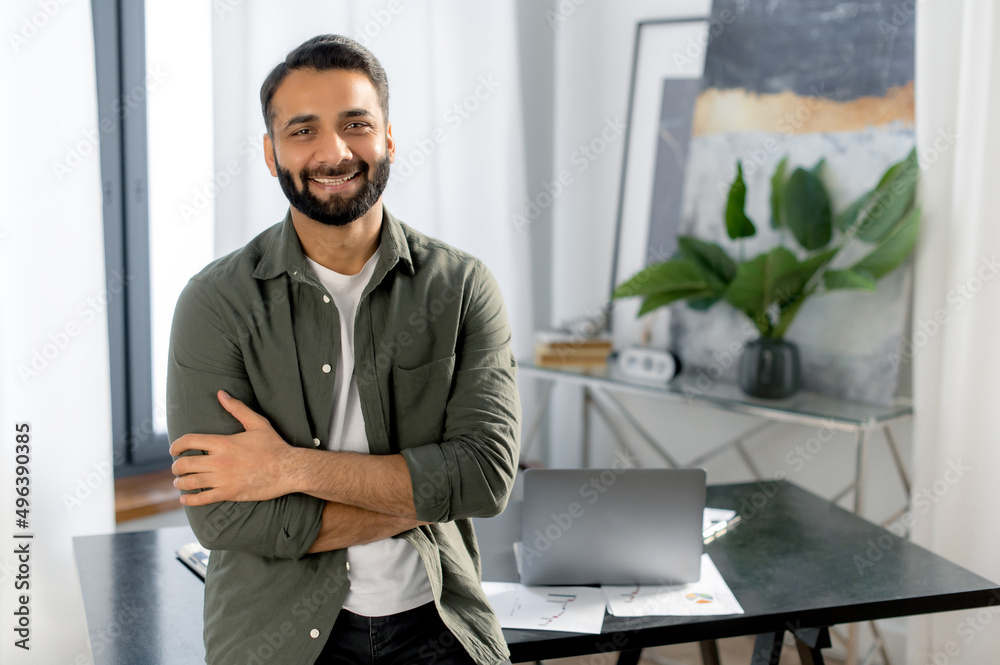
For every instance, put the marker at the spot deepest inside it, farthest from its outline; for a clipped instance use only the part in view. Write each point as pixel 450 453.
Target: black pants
pixel 417 636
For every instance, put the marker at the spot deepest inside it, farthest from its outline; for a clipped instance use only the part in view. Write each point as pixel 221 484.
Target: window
pixel 154 74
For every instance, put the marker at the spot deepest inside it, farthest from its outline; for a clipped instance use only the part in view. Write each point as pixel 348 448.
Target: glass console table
pixel 803 408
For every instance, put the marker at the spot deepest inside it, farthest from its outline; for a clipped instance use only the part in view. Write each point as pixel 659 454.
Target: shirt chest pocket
pixel 420 397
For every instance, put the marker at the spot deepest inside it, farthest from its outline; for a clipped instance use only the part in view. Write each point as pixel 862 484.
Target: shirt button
pixel 326 298
pixel 314 633
pixel 316 442
pixel 326 369
pixel 348 565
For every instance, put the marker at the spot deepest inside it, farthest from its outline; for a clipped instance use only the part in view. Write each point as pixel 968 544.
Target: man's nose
pixel 332 149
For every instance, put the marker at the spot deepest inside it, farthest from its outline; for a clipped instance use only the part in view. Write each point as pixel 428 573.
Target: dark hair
pixel 321 53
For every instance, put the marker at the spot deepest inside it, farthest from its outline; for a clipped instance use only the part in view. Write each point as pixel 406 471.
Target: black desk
pixel 796 562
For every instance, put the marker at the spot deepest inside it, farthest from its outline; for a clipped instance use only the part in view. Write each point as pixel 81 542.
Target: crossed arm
pixel 368 497
pixel 246 489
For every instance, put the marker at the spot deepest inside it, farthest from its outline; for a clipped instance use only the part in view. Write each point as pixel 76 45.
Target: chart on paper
pixel 570 609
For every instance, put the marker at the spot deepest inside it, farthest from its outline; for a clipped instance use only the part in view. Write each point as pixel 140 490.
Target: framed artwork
pixel 778 82
pixel 668 65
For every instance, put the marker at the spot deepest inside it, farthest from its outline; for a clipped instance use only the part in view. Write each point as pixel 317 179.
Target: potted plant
pixel 771 287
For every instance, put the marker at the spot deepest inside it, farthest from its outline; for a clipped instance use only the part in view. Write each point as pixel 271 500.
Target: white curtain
pixel 956 356
pixel 455 108
pixel 53 308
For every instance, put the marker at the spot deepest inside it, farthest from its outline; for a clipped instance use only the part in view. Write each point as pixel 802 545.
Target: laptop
pixel 611 526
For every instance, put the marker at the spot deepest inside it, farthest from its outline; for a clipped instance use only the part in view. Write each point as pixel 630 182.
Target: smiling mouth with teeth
pixel 336 181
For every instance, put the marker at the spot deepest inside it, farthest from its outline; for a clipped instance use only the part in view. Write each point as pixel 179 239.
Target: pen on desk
pixel 719 529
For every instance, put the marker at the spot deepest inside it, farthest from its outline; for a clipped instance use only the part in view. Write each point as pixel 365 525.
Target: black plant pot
pixel 769 368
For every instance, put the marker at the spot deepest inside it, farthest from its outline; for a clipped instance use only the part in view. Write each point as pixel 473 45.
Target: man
pixel 338 333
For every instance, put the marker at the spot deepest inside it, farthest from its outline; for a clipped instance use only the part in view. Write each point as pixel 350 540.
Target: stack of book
pixel 571 351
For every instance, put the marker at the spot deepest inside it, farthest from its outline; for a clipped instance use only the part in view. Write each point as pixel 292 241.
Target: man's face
pixel 329 146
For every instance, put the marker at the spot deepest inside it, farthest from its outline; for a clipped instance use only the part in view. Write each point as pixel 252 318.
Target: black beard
pixel 336 210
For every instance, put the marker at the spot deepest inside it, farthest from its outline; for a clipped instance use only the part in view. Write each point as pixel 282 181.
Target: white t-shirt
pixel 386 576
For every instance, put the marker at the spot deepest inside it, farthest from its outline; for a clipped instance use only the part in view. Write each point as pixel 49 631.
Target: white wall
pixel 54 336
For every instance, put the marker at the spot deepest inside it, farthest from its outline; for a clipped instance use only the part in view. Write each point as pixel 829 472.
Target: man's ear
pixel 390 145
pixel 269 158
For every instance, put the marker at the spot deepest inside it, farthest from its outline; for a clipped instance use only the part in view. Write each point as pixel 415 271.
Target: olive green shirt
pixel 436 379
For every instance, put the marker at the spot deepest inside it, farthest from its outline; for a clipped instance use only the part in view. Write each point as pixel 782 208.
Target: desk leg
pixel 709 652
pixel 810 643
pixel 767 648
pixel 630 657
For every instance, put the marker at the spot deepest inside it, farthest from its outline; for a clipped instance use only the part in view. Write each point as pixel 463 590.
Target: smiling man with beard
pixel 341 400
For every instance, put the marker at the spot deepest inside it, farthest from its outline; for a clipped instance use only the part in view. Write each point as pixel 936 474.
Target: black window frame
pixel 120 59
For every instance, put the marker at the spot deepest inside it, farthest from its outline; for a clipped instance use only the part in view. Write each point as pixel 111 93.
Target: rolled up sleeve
pixel 471 471
pixel 204 357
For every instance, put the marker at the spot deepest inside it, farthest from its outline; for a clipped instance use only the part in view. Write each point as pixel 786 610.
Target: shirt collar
pixel 283 253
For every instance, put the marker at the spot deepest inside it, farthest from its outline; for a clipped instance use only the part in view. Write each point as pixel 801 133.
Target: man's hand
pixel 249 466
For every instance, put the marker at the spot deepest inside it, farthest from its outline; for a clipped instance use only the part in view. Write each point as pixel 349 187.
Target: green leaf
pixel 789 290
pixel 892 198
pixel 777 194
pixel 746 291
pixel 787 315
pixel 702 304
pixel 890 173
pixel 709 256
pixel 738 225
pixel 675 275
pixel 894 248
pixel 819 167
pixel 657 300
pixel 754 288
pixel 807 210
pixel 847 219
pixel 848 279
